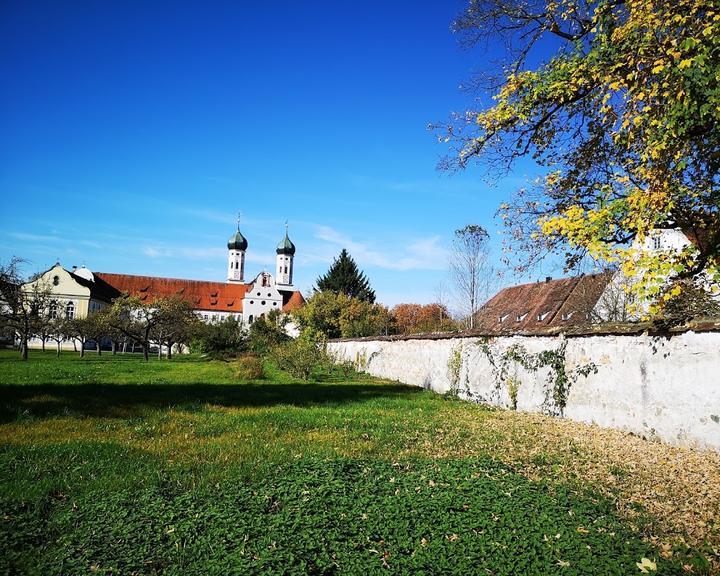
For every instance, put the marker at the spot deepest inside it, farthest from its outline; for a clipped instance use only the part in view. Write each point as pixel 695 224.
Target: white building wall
pixel 656 387
pixel 262 297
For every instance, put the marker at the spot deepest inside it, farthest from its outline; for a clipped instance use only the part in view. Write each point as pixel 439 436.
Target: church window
pixel 263 302
pixel 250 320
pixel 53 310
pixel 70 311
pixel 285 269
pixel 274 303
pixel 269 295
pixel 252 301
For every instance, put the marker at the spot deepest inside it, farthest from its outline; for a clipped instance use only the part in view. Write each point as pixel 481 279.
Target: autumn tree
pixel 623 117
pixel 340 316
pixel 345 277
pixel 419 318
pixel 470 267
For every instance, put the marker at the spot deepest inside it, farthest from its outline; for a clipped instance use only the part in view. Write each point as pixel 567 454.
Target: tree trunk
pixel 97 347
pixel 113 347
pixel 43 343
pixel 169 351
pixel 58 348
pixel 82 348
pixel 24 348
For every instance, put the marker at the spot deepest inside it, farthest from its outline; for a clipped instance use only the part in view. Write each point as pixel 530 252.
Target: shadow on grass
pixel 127 400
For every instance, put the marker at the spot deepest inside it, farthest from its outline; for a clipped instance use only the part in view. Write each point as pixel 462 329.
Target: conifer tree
pixel 344 277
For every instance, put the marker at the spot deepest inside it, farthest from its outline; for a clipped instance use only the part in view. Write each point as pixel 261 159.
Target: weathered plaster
pixel 659 387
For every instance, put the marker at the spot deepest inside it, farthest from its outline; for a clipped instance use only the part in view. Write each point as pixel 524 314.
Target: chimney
pixel 547 279
pixel 74 268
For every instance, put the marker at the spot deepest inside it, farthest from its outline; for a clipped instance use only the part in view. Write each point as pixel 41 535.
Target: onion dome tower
pixel 284 262
pixel 236 256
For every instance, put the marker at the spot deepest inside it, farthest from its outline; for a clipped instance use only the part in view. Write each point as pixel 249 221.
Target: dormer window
pixel 567 315
pixel 520 317
pixel 503 318
pixel 542 316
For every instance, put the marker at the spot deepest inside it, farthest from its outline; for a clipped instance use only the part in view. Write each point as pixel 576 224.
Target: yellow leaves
pixel 646 566
pixel 686 63
pixel 658 67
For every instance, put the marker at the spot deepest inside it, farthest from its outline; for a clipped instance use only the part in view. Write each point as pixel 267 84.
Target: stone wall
pixel 664 387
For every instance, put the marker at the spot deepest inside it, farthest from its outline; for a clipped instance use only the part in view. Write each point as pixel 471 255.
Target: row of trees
pixel 30 311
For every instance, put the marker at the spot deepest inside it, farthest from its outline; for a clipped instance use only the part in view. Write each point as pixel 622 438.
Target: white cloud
pixel 33 237
pixel 418 254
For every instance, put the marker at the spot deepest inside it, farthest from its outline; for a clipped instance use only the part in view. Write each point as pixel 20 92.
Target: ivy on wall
pixel 557 384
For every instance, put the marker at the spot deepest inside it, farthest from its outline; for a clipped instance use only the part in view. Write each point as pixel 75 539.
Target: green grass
pixel 113 466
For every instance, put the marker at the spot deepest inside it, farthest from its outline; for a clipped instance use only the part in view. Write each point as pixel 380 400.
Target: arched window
pixel 56 280
pixel 250 319
pixel 70 311
pixel 53 310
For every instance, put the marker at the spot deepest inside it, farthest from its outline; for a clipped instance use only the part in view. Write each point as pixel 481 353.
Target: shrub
pixel 300 357
pixel 267 332
pixel 248 367
pixel 218 339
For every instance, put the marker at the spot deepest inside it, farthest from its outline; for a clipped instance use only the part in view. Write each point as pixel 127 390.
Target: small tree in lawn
pixel 58 331
pixel 80 330
pixel 176 320
pixel 136 320
pixel 104 319
pixel 343 277
pixel 299 357
pixel 23 308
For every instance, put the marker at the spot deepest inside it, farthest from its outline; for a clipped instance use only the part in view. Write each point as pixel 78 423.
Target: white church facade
pixel 78 292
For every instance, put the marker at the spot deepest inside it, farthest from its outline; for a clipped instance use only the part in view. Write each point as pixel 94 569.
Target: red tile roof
pixel 295 301
pixel 200 294
pixel 528 307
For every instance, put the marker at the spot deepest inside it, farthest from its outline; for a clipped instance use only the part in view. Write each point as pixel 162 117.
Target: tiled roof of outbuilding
pixel 527 307
pixel 292 300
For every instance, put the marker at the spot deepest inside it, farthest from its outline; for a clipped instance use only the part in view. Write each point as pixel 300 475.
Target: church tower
pixel 285 254
pixel 236 256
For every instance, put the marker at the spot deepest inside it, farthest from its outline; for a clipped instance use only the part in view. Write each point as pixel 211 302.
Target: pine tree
pixel 345 277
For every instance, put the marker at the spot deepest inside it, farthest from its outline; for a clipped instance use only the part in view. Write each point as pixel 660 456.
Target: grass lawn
pixel 110 465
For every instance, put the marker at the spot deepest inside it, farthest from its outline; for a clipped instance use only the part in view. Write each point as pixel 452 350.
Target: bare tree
pixel 23 306
pixel 470 267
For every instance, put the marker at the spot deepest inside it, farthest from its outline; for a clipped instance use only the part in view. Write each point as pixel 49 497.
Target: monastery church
pixel 79 291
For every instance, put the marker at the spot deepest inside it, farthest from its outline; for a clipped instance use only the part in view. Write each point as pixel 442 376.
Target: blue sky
pixel 133 132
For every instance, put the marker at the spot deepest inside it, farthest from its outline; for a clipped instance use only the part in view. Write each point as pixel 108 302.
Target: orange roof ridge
pixel 165 278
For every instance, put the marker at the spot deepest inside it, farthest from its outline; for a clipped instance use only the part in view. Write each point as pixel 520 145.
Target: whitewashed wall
pixel 657 387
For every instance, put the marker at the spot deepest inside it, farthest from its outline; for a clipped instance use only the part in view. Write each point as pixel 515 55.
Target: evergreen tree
pixel 344 277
